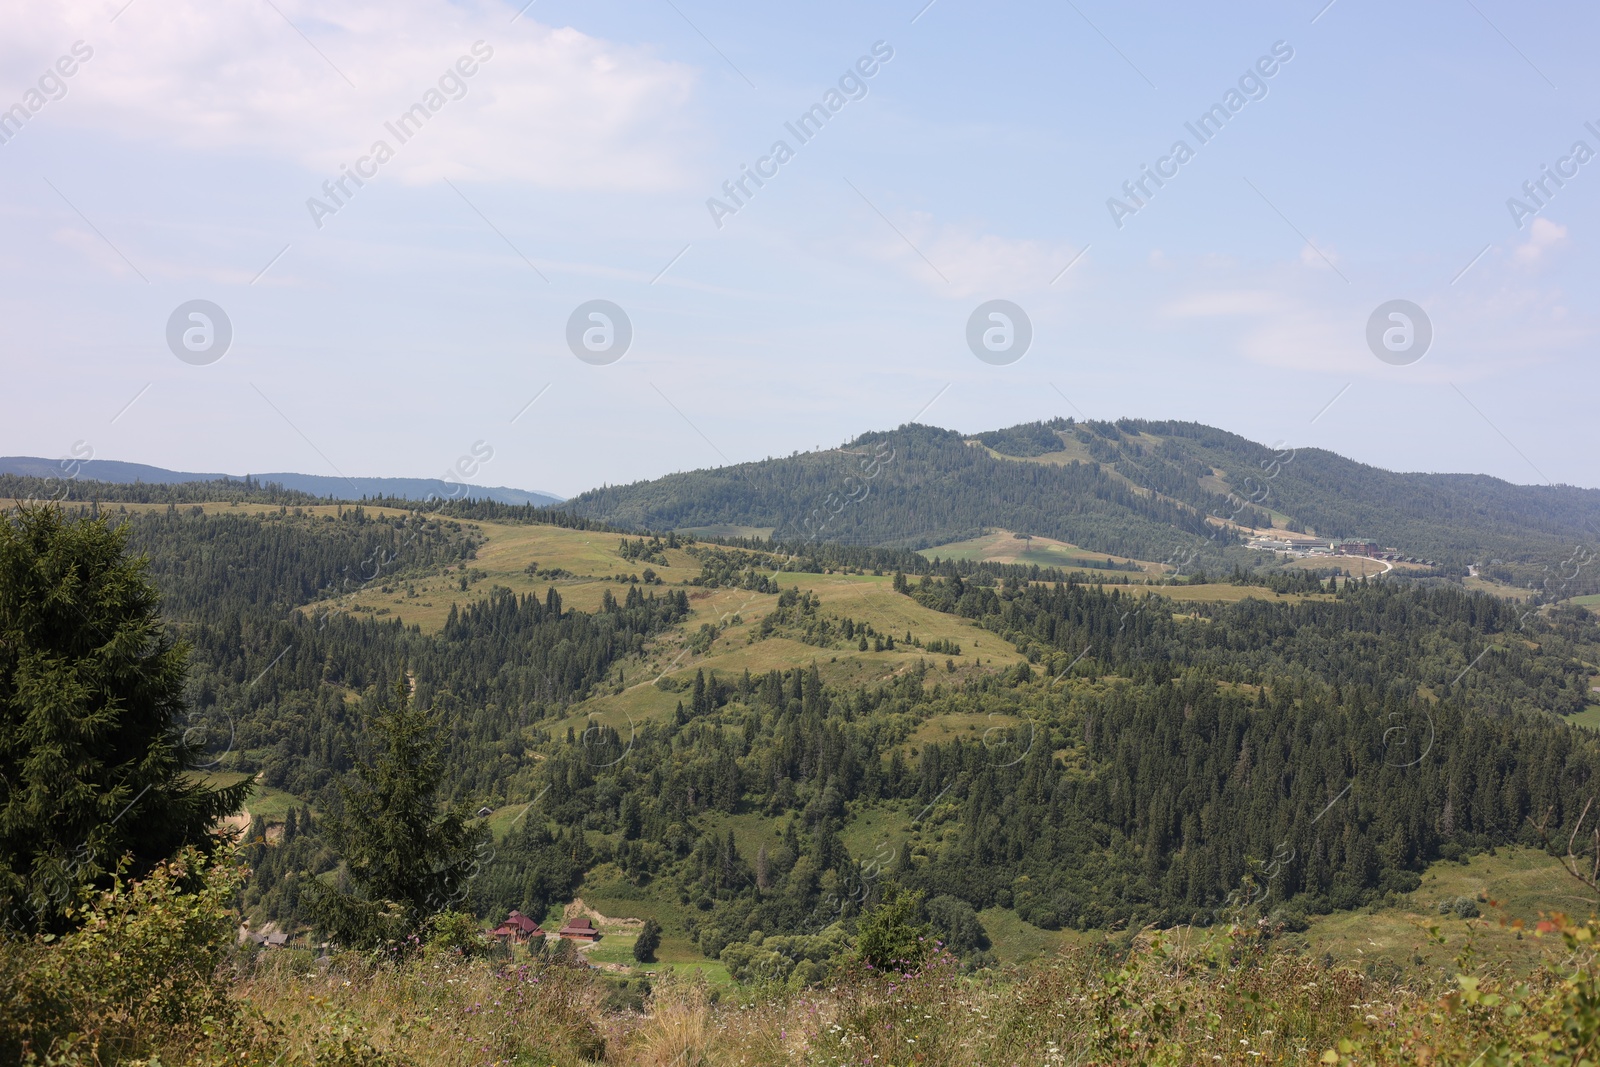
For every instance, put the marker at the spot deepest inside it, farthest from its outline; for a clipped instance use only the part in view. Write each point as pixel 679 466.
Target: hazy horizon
pixel 479 483
pixel 538 158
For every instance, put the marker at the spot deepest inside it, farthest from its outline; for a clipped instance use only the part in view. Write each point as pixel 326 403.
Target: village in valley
pixel 1305 546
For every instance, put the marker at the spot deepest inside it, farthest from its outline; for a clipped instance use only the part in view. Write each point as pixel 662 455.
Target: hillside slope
pixel 916 487
pixel 1141 489
pixel 1458 517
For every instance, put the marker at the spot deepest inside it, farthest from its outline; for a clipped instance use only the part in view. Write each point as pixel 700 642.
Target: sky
pixel 516 162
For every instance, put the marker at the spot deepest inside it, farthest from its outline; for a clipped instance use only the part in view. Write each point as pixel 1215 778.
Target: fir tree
pixel 405 858
pixel 94 754
pixel 649 939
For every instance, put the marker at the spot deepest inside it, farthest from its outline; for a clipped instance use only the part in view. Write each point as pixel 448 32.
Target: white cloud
pixel 1319 257
pixel 962 262
pixel 1543 236
pixel 552 107
pixel 1296 327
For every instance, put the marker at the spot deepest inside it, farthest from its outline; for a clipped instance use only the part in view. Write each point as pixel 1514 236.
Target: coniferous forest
pixel 1147 757
pixel 1128 751
pixel 518 549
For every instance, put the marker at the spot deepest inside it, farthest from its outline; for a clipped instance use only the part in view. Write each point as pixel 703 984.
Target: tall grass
pixel 153 976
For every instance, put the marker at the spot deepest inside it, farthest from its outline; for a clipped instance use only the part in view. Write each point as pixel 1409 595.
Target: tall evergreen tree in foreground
pixel 94 759
pixel 404 859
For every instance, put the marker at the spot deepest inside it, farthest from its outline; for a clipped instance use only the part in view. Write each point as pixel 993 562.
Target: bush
pixel 454 933
pixel 892 936
pixel 956 924
pixel 796 959
pixel 140 976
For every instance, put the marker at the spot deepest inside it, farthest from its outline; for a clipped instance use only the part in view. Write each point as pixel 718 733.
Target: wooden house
pixel 517 929
pixel 580 929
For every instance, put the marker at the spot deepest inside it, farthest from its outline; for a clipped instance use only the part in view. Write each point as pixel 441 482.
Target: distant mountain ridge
pixel 916 487
pixel 122 473
pixel 1143 489
pixel 1137 488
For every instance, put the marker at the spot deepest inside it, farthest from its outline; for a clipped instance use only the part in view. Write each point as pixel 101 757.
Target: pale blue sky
pixel 432 307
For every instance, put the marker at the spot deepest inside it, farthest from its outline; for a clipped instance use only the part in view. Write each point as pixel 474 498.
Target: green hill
pixel 731 742
pixel 916 487
pixel 1135 488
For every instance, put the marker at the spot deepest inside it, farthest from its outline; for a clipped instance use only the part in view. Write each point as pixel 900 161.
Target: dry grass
pixel 439 1011
pixel 678 1032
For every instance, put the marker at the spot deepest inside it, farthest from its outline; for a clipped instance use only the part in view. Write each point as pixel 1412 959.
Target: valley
pixel 754 744
pixel 497 597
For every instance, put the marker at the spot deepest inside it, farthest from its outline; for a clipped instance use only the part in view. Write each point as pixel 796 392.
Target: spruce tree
pixel 404 858
pixel 893 935
pixel 649 939
pixel 700 703
pixel 94 758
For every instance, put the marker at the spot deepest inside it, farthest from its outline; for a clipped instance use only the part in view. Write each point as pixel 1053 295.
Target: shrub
pixel 455 933
pixel 956 924
pixel 140 975
pixel 892 936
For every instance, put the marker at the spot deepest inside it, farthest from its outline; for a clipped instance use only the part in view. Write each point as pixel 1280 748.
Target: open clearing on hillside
pixel 729 532
pixel 864 598
pixel 503 560
pixel 1072 450
pixel 594 559
pixel 1218 593
pixel 1589 717
pixel 271 804
pixel 1523 882
pixel 1002 546
pixel 1500 589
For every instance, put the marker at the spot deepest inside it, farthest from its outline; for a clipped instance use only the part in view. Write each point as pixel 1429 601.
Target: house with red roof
pixel 580 929
pixel 517 929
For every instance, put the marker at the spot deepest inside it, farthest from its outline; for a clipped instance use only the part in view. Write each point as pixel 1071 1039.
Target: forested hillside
pixel 1457 517
pixel 915 487
pixel 782 759
pixel 1133 488
pixel 320 487
pixel 1151 750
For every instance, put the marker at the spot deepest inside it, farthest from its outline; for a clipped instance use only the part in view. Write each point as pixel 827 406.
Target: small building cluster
pixel 518 929
pixel 276 939
pixel 1365 547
